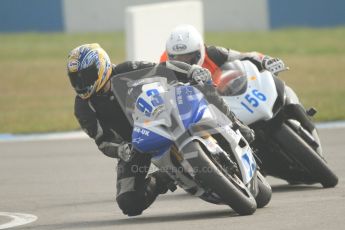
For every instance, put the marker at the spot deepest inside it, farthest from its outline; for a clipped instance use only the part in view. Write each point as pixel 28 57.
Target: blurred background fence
pixel 219 15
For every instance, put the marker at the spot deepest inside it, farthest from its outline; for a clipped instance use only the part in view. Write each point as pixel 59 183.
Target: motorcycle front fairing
pixel 158 108
pixel 256 100
pixel 155 133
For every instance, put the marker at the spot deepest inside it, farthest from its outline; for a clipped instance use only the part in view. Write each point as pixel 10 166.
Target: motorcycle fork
pixel 296 111
pixel 223 158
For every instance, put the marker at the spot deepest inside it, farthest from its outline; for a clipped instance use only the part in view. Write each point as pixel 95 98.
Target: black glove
pixel 247 133
pixel 125 151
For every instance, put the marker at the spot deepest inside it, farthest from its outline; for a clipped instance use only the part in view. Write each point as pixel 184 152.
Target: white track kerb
pixel 17 219
pixel 42 137
pixel 82 135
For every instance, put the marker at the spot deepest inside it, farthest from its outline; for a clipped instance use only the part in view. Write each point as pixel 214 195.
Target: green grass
pixel 35 94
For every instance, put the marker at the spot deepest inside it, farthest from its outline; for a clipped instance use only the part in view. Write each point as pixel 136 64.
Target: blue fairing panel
pixel 191 107
pixel 147 141
pixel 191 104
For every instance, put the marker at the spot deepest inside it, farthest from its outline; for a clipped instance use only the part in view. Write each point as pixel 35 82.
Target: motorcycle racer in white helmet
pixel 186 44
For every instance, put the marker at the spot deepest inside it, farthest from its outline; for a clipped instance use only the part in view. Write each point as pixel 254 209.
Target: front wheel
pixel 212 177
pixel 306 156
pixel 265 191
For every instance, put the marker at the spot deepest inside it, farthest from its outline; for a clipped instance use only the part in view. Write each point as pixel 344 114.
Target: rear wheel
pixel 306 156
pixel 229 188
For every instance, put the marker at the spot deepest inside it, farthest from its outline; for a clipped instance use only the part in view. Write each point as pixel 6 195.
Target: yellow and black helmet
pixel 89 68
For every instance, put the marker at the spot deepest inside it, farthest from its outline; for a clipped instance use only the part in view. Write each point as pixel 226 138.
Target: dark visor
pixel 84 79
pixel 189 58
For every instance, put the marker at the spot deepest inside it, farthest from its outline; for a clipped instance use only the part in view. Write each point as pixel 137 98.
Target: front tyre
pixel 212 177
pixel 265 191
pixel 299 150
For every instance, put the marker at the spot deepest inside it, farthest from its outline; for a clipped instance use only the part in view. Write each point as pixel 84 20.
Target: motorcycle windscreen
pixel 154 95
pixel 232 83
pixel 230 79
pixel 148 99
pixel 127 88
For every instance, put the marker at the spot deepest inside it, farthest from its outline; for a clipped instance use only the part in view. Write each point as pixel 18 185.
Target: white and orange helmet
pixel 186 44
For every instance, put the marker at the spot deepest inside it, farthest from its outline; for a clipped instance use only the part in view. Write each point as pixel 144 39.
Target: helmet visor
pixel 189 58
pixel 83 80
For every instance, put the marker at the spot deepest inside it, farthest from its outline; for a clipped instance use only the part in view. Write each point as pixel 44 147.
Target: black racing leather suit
pixel 220 55
pixel 101 116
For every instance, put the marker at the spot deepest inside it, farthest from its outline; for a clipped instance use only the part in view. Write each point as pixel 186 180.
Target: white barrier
pixel 148 26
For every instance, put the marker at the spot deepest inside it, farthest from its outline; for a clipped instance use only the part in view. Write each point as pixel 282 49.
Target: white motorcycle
pixel 190 139
pixel 286 139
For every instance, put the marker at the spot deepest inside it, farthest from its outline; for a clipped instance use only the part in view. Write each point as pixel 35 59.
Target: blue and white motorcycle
pixel 191 140
pixel 287 140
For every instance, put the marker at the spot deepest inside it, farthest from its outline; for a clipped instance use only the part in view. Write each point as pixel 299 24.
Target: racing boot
pixel 135 202
pixel 162 182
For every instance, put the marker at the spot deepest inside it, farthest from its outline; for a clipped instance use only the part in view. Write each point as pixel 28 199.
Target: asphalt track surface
pixel 68 184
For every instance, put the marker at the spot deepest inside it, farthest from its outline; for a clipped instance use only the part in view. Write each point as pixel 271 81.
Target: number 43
pixel 253 100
